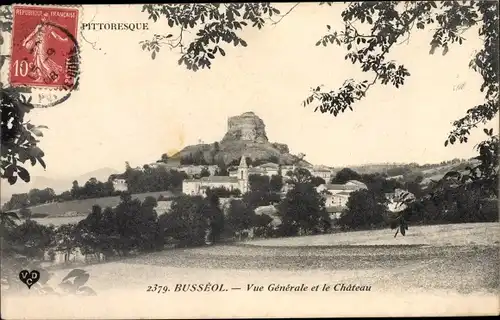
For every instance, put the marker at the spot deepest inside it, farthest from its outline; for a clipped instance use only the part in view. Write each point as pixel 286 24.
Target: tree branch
pixel 287 13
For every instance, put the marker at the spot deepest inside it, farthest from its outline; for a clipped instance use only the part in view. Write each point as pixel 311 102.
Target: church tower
pixel 243 174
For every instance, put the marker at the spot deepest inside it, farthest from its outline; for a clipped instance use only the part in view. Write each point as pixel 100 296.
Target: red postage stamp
pixel 44 47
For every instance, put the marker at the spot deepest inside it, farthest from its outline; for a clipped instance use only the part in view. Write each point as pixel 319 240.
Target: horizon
pixel 140 108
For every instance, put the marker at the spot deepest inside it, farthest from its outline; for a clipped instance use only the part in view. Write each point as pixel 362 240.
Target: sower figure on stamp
pixel 44 68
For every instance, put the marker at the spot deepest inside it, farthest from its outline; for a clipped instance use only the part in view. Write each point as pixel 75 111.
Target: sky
pixel 132 108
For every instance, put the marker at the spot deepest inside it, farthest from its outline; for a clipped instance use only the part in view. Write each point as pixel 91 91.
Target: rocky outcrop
pixel 246 135
pixel 246 127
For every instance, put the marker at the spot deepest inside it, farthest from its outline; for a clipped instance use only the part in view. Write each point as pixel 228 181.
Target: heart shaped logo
pixel 29 278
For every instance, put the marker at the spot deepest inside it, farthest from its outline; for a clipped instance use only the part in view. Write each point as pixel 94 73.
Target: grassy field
pixel 57 221
pixel 85 206
pixel 437 235
pixel 455 279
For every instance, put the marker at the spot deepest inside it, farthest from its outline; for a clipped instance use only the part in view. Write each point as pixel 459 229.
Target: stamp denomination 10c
pixel 44 48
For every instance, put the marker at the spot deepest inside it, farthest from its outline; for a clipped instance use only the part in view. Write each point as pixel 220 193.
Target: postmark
pixel 45 51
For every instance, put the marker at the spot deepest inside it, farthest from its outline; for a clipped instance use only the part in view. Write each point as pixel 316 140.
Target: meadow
pixel 456 278
pixel 58 213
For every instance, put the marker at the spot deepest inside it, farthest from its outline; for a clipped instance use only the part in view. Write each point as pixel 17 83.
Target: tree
pixel 379 184
pixel 8 219
pixel 65 240
pixel 32 238
pixel 19 138
pixel 188 220
pixel 216 147
pixel 75 190
pixel 259 182
pixel 317 181
pixel 128 223
pixel 164 158
pixel 239 217
pixel 148 226
pixel 222 192
pixel 365 209
pixel 25 213
pixel 17 201
pixel 222 169
pixel 345 175
pixel 204 172
pixel 261 224
pixel 276 183
pixel 303 210
pixel 260 193
pixel 300 175
pixel 199 158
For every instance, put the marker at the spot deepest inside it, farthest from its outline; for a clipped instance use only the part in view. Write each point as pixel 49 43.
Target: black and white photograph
pixel 249 160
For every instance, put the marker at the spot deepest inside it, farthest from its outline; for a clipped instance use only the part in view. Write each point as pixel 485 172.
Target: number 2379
pixel 156 288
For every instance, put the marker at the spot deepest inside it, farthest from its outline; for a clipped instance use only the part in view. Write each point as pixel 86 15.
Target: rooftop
pixel 333 186
pixel 356 182
pixel 220 179
pixel 269 165
pixel 334 209
pixel 256 170
pixel 351 185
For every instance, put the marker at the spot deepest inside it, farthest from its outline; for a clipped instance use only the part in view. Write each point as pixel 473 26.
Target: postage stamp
pixel 44 47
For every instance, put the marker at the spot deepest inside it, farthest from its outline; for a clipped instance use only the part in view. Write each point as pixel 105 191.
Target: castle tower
pixel 243 174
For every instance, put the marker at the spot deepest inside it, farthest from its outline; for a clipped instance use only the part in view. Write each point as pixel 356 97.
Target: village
pixel 336 196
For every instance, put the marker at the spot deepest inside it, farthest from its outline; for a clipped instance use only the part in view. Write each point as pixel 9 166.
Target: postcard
pixel 249 160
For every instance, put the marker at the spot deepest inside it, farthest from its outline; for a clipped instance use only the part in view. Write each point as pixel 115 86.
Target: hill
pixel 245 136
pixel 427 171
pixel 100 174
pixel 59 185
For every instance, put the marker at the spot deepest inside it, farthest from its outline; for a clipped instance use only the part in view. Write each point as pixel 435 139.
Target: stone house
pixel 236 181
pixel 337 195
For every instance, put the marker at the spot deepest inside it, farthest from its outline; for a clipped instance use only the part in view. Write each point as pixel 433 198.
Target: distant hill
pixel 59 185
pixel 245 136
pixel 100 174
pixel 394 169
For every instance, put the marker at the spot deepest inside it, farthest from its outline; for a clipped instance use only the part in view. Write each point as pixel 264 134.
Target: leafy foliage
pixel 299 176
pixel 153 179
pixel 91 189
pixel 261 191
pixel 365 209
pixel 190 220
pixel 31 239
pixel 212 24
pixel 7 221
pixel 222 192
pixel 239 217
pixel 389 22
pixel 197 158
pixel 402 200
pixel 19 138
pixel 65 236
pixel 345 175
pixel 303 208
